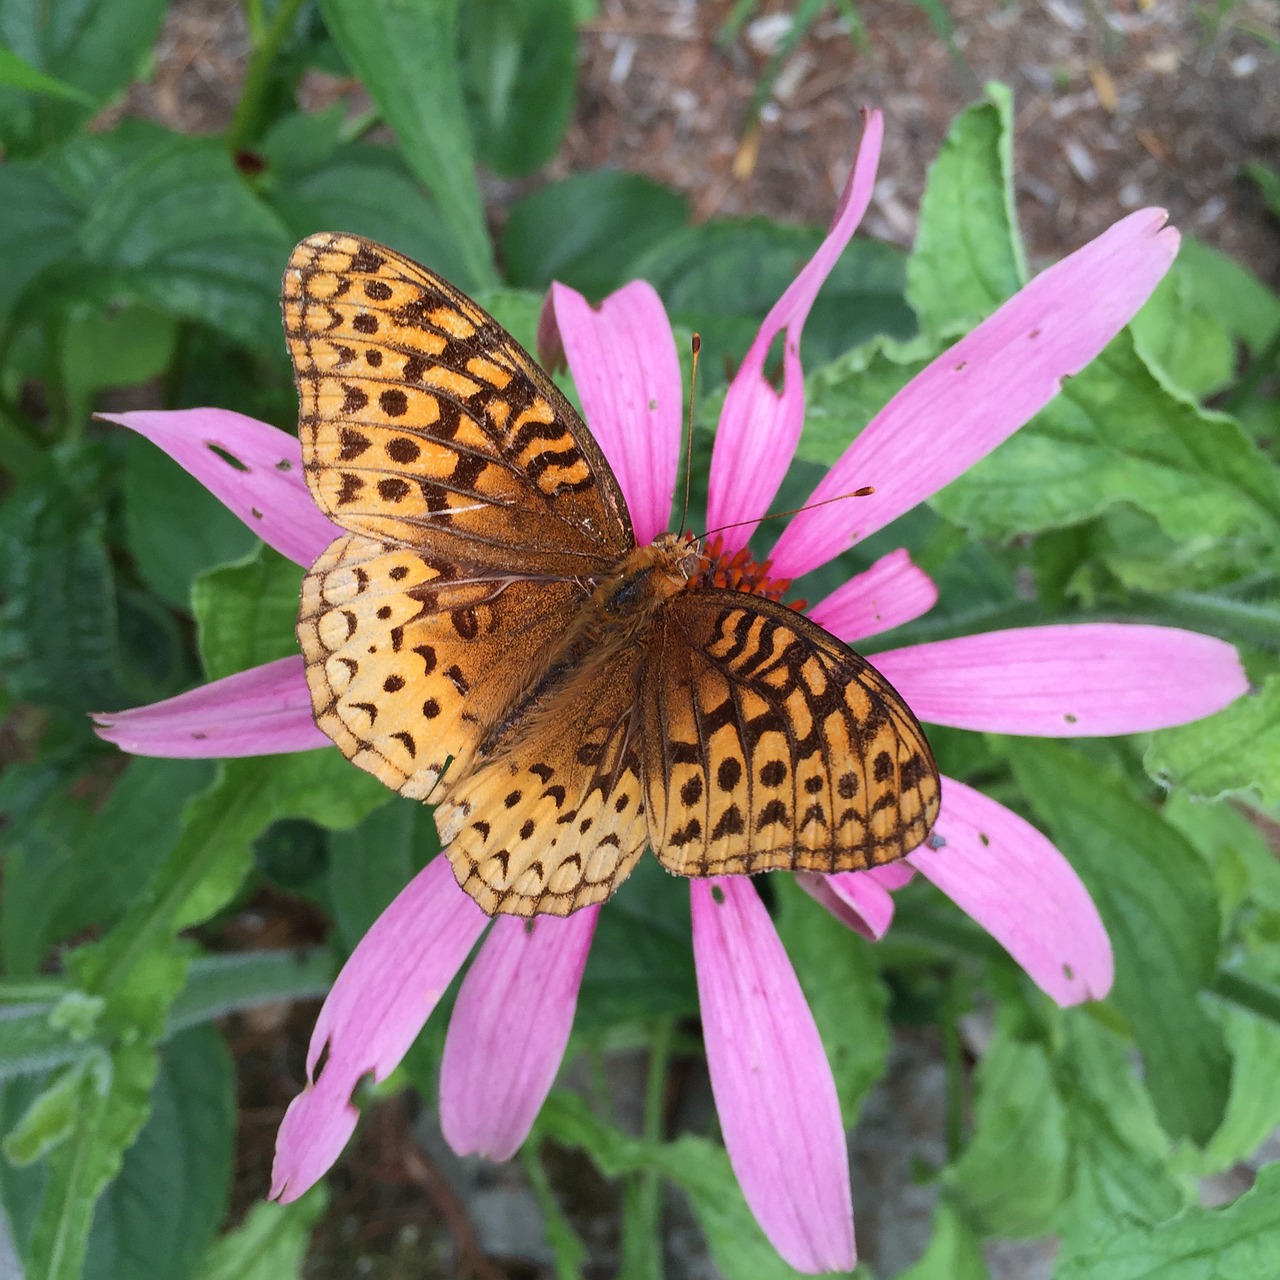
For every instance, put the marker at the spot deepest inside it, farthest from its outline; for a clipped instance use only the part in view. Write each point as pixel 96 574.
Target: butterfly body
pixel 489 636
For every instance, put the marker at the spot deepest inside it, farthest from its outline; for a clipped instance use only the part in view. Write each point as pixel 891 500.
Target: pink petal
pixel 854 898
pixel 385 992
pixel 264 711
pixel 1088 679
pixel 772 1084
pixel 893 876
pixel 984 388
pixel 760 427
pixel 1021 890
pixel 891 592
pixel 509 1030
pixel 624 364
pixel 263 485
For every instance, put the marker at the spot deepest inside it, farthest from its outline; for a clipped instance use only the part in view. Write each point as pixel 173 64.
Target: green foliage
pixel 140 266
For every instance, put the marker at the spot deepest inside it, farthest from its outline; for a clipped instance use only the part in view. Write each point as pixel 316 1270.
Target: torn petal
pixel 760 427
pixel 254 469
pixel 984 388
pixel 385 992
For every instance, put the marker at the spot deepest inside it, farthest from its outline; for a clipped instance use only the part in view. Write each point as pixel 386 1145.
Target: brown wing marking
pixel 408 661
pixel 423 422
pixel 770 744
pixel 555 820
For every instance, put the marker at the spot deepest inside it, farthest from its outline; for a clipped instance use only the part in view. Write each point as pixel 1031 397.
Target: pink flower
pixel 774 1089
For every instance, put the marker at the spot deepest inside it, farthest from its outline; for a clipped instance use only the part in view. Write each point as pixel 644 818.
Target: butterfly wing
pixel 555 820
pixel 409 659
pixel 424 422
pixel 770 744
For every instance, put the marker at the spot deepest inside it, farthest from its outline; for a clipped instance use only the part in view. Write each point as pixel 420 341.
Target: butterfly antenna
pixel 865 492
pixel 688 447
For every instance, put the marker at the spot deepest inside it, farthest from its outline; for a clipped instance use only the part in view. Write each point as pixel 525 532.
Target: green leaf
pixel 519 69
pixel 158 1216
pixel 588 229
pixel 954 1252
pixel 178 228
pixel 93 47
pixel 1233 752
pixel 271 1243
pixel 107 1120
pixel 843 987
pixel 175 528
pixel 37 229
pixel 1156 898
pixel 641 961
pixel 17 74
pixel 51 1117
pixel 370 863
pixel 1202 1244
pixel 365 189
pixel 1119 1154
pixel 404 52
pixel 968 254
pixel 1018 1109
pixel 246 612
pixel 1116 434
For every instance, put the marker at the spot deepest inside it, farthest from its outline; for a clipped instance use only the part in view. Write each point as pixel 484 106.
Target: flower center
pixel 739 572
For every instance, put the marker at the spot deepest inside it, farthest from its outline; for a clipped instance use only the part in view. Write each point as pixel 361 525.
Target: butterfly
pixel 487 635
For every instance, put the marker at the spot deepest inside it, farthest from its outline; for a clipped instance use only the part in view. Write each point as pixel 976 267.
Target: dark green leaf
pixel 176 528
pixel 519 70
pixel 641 960
pixel 370 863
pixel 178 228
pixel 1242 1240
pixel 37 229
pixel 587 230
pixel 968 254
pixel 159 1215
pixel 93 46
pixel 246 612
pixel 404 52
pixel 1156 898
pixel 367 190
pixel 1235 751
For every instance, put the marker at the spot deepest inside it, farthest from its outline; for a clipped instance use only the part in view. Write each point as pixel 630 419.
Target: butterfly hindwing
pixel 555 819
pixel 770 744
pixel 408 662
pixel 424 422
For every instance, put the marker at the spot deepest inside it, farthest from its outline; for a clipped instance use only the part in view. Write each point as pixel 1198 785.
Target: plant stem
pixel 642 1208
pixel 1261 998
pixel 248 116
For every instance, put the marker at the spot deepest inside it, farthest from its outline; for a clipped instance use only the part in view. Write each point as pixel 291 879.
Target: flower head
pixel 773 1087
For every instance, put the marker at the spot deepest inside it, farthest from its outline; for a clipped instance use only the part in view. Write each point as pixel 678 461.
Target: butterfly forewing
pixel 770 744
pixel 424 422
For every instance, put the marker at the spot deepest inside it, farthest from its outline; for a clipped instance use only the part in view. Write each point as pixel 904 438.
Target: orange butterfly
pixel 489 636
